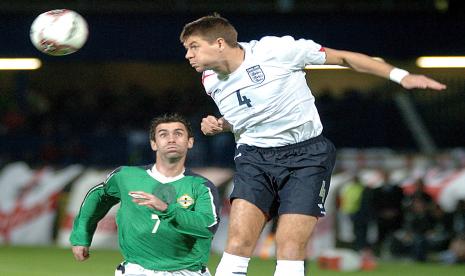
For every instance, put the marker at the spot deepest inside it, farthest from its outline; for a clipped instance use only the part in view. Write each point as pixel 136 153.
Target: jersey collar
pixel 153 172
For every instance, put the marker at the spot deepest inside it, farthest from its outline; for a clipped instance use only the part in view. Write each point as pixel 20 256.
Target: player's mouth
pixel 172 148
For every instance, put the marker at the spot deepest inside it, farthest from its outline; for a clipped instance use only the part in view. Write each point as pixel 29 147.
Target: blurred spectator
pixel 455 252
pixel 419 191
pixel 356 202
pixel 458 218
pixel 387 204
pixel 441 233
pixel 411 240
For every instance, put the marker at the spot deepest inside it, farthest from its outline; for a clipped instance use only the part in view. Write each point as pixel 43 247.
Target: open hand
pixel 422 82
pixel 149 200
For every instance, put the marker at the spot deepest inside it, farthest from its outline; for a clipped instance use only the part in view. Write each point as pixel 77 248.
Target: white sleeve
pixel 295 53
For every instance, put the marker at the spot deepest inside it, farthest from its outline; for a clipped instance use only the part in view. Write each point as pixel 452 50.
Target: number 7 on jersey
pixel 157 223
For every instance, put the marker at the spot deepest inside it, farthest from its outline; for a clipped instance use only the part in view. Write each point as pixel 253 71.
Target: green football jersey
pixel 178 238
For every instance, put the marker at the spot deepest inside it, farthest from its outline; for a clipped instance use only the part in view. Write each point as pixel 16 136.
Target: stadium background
pixel 63 126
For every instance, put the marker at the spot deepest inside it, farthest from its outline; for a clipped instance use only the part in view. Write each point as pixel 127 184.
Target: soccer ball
pixel 59 32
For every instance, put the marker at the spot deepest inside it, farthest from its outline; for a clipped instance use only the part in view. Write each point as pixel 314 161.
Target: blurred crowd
pixel 409 223
pixel 102 128
pixel 107 128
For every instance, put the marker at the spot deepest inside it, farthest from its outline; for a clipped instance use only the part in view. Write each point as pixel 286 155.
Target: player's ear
pixel 221 43
pixel 153 145
pixel 190 143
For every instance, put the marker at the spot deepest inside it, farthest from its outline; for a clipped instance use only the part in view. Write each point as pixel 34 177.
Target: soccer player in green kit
pixel 168 215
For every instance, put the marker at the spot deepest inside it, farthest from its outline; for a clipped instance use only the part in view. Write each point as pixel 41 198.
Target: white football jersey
pixel 267 99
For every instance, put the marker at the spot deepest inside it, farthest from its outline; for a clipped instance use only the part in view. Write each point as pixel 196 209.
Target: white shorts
pixel 131 269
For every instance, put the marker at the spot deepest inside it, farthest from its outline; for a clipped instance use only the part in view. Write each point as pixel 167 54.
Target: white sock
pixel 232 265
pixel 289 268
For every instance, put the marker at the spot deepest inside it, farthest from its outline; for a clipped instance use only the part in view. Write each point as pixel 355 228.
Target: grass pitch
pixel 46 261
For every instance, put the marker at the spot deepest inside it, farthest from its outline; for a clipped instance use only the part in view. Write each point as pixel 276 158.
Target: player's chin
pixel 173 153
pixel 198 68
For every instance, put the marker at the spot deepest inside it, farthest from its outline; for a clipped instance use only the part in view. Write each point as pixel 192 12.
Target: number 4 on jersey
pixel 243 99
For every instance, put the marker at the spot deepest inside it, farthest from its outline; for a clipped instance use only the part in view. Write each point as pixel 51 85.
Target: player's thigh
pixel 307 181
pixel 246 222
pixel 292 235
pixel 251 181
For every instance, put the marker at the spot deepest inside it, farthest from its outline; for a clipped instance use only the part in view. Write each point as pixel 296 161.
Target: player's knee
pixel 291 250
pixel 240 247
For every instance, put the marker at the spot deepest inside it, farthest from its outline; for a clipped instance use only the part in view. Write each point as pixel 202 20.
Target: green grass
pixel 41 261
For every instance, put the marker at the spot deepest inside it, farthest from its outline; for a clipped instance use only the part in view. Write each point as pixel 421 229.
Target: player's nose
pixel 188 55
pixel 172 138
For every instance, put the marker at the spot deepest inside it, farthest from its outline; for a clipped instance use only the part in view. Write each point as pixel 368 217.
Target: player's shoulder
pixel 126 170
pixel 133 169
pixel 269 47
pixel 189 173
pixel 200 179
pixel 270 42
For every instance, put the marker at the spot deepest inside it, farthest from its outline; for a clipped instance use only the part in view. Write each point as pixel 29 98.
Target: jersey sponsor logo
pixel 256 74
pixel 185 201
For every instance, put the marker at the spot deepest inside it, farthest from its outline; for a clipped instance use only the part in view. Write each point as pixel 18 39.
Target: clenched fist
pixel 211 125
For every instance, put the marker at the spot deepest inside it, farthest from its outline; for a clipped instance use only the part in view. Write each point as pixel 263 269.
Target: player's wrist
pixel 225 125
pixel 163 207
pixel 397 74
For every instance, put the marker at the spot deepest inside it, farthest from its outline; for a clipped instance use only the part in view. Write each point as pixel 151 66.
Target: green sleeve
pixel 95 206
pixel 202 220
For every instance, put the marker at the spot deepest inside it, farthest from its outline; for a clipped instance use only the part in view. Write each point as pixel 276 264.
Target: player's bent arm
pixel 95 206
pixel 202 221
pixel 366 64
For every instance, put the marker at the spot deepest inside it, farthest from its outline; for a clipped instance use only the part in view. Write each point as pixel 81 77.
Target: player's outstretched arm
pixel 81 253
pixel 365 64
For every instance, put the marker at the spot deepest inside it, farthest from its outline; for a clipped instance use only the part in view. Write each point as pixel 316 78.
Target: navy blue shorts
pixel 292 179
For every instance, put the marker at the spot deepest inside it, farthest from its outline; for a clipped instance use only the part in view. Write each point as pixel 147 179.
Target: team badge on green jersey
pixel 185 201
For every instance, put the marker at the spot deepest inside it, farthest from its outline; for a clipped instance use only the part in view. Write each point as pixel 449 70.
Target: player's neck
pixel 233 60
pixel 168 170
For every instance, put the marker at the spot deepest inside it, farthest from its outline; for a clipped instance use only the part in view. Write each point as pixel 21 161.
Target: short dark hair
pixel 169 118
pixel 211 27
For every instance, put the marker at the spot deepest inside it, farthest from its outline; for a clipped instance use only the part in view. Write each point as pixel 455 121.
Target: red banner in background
pixel 28 202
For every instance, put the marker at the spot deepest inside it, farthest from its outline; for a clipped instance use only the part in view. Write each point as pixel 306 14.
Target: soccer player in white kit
pixel 283 162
